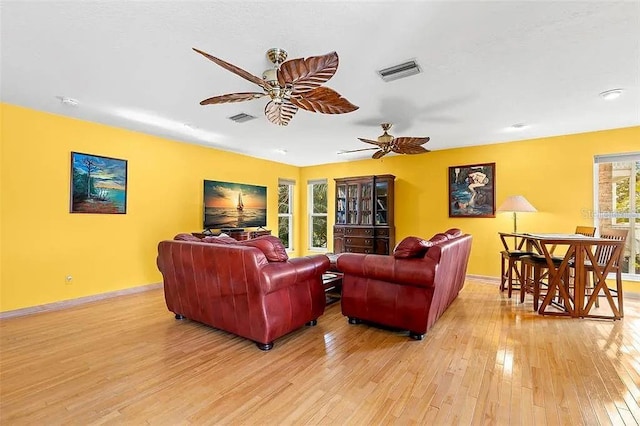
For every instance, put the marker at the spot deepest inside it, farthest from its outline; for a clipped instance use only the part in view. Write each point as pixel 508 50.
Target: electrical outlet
pixel 68 279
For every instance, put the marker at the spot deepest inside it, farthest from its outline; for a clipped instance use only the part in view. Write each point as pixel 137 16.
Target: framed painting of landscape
pixel 98 184
pixel 472 190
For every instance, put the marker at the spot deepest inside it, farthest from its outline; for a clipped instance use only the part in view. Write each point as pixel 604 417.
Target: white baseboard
pixel 64 304
pixel 484 278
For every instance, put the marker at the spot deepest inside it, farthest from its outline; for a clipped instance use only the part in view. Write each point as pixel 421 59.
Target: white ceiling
pixel 486 66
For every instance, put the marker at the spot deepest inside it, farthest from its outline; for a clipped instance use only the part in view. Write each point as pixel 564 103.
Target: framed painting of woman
pixel 472 190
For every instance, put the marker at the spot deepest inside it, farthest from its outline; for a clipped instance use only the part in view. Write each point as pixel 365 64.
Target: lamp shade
pixel 516 203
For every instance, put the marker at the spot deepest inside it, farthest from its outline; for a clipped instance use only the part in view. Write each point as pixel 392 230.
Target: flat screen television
pixel 234 205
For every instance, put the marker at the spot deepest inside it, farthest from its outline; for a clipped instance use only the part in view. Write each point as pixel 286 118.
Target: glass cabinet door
pixel 352 204
pixel 341 204
pixel 382 203
pixel 366 204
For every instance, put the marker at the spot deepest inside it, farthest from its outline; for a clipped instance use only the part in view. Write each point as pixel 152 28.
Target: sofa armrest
pixel 277 275
pixel 415 271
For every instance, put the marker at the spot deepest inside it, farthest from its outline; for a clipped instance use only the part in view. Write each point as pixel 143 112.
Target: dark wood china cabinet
pixel 364 215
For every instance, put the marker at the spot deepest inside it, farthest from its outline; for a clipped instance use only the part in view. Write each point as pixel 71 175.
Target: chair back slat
pixel 604 251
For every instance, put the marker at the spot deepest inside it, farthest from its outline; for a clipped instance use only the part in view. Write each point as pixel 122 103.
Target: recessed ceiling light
pixel 611 94
pixel 517 126
pixel 68 101
pixel 281 151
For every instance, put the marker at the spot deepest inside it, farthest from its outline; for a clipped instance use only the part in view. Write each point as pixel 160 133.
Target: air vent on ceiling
pixel 241 118
pixel 402 70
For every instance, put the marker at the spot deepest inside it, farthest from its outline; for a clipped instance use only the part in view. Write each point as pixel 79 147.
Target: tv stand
pixel 228 230
pixel 236 233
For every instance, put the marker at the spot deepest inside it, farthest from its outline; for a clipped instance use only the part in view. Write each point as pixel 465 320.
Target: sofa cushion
pixel 270 245
pixel 220 239
pixel 411 247
pixel 453 232
pixel 439 238
pixel 187 237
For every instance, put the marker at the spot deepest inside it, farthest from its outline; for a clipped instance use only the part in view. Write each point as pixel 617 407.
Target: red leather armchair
pixel 409 290
pixel 234 287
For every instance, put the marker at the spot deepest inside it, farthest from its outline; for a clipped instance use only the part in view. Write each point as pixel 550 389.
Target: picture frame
pixel 472 190
pixel 98 184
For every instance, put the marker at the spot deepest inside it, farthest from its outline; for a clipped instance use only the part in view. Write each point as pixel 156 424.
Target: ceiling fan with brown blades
pixel 292 84
pixel 387 143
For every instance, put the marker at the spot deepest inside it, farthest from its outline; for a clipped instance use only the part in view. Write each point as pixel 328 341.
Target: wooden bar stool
pixel 602 255
pixel 511 271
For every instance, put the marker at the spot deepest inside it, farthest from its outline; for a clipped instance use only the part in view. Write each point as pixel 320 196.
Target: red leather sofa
pixel 410 289
pixel 249 288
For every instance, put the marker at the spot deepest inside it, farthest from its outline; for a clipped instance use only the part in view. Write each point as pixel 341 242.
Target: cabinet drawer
pixel 365 250
pixel 358 232
pixel 350 241
pixel 338 230
pixel 382 232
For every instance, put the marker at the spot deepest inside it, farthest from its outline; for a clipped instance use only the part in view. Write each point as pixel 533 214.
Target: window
pixel 285 212
pixel 617 204
pixel 318 214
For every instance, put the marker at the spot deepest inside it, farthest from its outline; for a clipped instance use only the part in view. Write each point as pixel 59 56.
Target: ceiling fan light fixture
pixel 271 76
pixel 242 117
pixel 402 70
pixel 291 85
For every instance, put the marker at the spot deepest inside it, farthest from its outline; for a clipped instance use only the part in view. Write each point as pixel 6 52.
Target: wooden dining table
pixel 580 250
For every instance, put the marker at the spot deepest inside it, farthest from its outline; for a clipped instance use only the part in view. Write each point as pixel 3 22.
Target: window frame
pixel 291 186
pixel 311 208
pixel 634 218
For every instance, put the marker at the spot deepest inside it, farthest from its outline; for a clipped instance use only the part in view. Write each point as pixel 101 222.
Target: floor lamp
pixel 515 204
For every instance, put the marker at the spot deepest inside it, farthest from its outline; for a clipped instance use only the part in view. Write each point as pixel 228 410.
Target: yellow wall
pixel 42 243
pixel 554 174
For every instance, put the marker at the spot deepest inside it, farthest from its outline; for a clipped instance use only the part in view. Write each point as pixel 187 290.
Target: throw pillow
pixel 187 237
pixel 220 239
pixel 271 246
pixel 411 247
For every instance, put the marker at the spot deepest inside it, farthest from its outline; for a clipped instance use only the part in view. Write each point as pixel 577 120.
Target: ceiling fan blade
pixel 409 149
pixel 280 113
pixel 378 154
pixel 232 97
pixel 409 141
pixel 324 100
pixel 356 150
pixel 234 69
pixel 307 74
pixel 371 142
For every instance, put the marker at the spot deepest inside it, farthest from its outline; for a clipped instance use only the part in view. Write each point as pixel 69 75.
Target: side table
pixel 332 283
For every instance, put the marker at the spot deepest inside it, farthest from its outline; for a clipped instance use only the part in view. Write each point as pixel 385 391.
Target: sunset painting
pixel 98 184
pixel 234 205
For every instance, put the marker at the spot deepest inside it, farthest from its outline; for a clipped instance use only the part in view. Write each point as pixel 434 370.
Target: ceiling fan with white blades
pixel 292 84
pixel 387 143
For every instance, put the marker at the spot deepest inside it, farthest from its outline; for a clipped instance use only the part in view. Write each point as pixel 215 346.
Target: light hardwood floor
pixel 488 360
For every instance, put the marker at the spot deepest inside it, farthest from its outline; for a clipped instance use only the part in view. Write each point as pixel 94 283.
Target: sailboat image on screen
pixel 234 205
pixel 240 206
